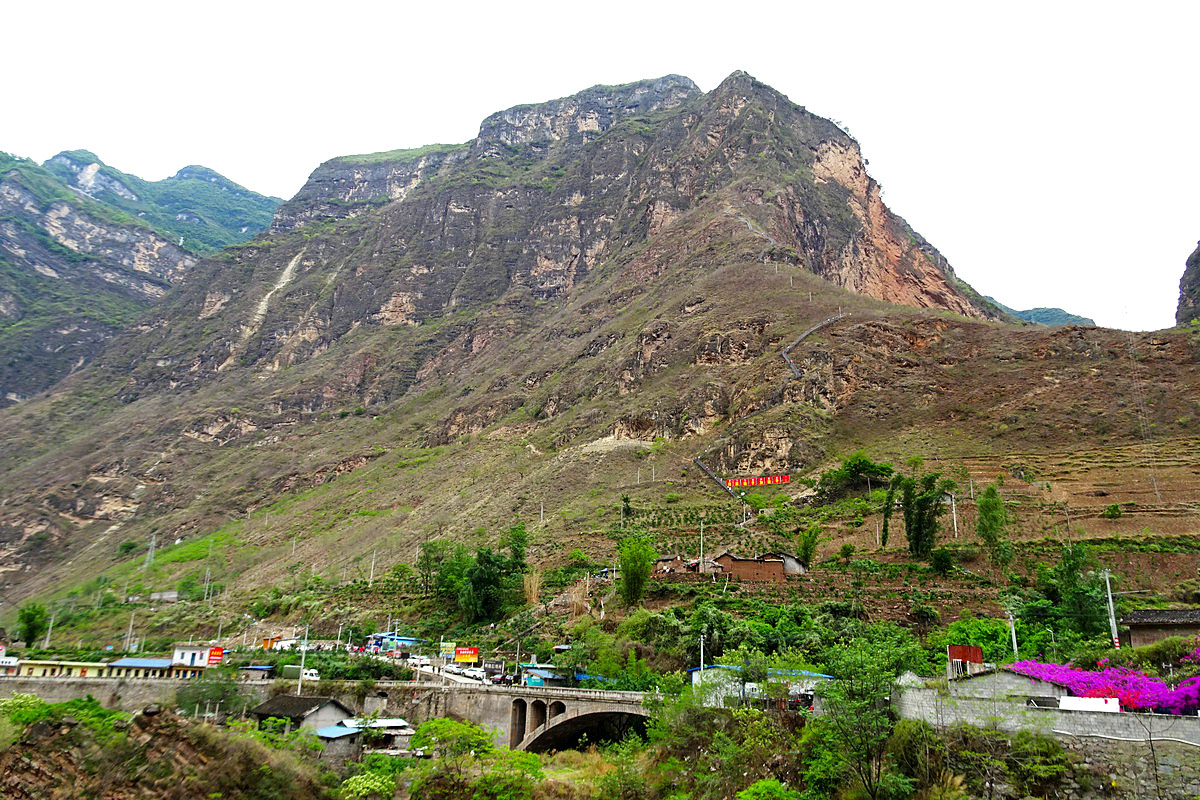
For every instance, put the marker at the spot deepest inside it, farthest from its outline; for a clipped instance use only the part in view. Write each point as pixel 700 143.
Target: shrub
pixel 768 789
pixel 942 561
pixel 1111 511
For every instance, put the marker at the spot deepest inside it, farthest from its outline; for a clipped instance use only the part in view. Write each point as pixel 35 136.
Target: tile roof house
pixel 308 713
pixel 1149 625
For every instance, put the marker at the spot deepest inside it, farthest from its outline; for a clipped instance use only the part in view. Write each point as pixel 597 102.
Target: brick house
pixel 1149 625
pixel 752 569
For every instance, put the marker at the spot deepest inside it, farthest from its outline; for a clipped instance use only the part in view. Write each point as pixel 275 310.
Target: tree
pixel 858 720
pixel 517 541
pixel 992 525
pixel 636 559
pixel 806 544
pixel 432 554
pixel 31 622
pixel 481 595
pixel 921 503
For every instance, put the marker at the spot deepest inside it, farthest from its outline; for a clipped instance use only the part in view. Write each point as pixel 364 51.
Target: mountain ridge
pixel 443 345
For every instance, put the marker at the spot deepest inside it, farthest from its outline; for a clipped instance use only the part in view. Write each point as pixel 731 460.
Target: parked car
pixel 475 672
pixel 419 661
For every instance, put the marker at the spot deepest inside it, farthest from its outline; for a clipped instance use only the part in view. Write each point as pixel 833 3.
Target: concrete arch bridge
pixel 540 719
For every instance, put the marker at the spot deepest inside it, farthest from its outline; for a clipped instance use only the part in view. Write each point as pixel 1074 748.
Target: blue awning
pixel 544 674
pixel 791 673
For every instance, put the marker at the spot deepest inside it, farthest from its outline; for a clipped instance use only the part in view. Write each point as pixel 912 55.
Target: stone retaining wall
pixel 1007 715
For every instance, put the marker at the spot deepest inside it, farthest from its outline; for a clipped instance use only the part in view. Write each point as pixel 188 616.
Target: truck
pixel 292 671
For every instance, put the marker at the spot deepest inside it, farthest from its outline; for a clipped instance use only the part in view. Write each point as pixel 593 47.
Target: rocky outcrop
pixel 1189 291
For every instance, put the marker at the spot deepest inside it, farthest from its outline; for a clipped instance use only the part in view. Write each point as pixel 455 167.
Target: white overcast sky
pixel 1048 149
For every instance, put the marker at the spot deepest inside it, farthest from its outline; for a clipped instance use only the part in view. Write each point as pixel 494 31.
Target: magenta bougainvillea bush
pixel 1136 691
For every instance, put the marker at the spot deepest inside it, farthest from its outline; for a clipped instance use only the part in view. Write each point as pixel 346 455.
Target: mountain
pixel 1045 316
pixel 85 249
pixel 531 325
pixel 204 208
pixel 1189 290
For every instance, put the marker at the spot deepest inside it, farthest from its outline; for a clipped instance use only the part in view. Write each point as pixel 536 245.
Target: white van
pixel 312 675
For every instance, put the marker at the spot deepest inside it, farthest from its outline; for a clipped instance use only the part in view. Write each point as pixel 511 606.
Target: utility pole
pixel 1012 628
pixel 303 653
pixel 954 514
pixel 46 644
pixel 702 571
pixel 702 658
pixel 1112 614
pixel 220 627
pixel 339 638
pixel 150 552
pixel 371 580
pixel 129 635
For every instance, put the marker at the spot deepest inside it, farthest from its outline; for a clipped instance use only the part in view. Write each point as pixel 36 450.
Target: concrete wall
pixel 1006 715
pixel 1004 684
pixel 130 694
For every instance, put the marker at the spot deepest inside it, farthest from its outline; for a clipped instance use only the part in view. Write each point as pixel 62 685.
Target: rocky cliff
pixel 84 249
pixel 1189 291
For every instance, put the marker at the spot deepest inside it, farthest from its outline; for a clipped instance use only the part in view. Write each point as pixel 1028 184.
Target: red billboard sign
pixel 466 654
pixel 215 656
pixel 761 480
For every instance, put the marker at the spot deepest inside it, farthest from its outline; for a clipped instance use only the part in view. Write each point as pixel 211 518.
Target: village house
pixel 667 565
pixel 1149 625
pixel 791 564
pixel 36 668
pixel 190 655
pixel 342 743
pixel 306 713
pixel 752 569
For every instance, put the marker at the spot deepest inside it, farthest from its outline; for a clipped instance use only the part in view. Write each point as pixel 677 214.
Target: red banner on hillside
pixel 466 654
pixel 762 480
pixel 215 656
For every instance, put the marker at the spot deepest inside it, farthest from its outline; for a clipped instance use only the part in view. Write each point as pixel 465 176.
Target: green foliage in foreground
pixel 21 710
pixel 467 765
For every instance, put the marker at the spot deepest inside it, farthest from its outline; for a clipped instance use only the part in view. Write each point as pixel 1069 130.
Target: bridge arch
pixel 516 722
pixel 563 730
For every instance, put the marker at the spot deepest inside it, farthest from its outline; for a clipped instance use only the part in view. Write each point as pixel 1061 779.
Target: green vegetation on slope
pixel 208 210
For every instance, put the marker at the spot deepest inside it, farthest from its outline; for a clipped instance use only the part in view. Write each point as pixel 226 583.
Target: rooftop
pixel 336 731
pixel 288 706
pixel 142 663
pixel 1162 616
pixel 382 722
pixel 798 673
